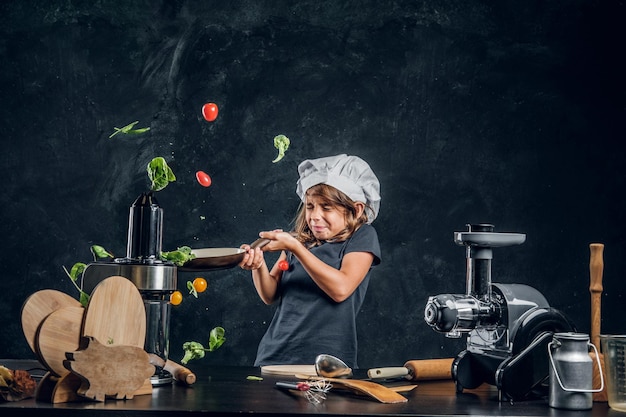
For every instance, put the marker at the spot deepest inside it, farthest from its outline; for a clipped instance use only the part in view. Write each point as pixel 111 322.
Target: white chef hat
pixel 349 174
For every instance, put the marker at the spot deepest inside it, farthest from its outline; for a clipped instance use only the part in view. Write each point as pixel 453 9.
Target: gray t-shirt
pixel 307 322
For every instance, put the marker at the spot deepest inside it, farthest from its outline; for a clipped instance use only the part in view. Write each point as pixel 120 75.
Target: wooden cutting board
pixel 116 314
pixel 58 333
pixel 38 306
pixel 289 370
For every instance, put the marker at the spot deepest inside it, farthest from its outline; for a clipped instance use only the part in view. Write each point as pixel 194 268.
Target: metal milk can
pixel 571 371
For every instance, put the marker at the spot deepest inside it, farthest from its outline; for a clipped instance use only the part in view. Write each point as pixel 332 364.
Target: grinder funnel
pixel 479 241
pixel 145 229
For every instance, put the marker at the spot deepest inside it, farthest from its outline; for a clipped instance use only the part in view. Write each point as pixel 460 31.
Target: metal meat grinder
pixel 508 326
pixel 155 279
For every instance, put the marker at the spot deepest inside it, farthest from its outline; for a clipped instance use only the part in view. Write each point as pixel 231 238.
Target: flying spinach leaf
pixel 160 173
pixel 128 130
pixel 216 338
pixel 78 268
pixel 74 274
pixel 99 252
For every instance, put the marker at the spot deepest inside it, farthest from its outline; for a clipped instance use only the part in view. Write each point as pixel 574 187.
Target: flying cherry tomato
pixel 203 178
pixel 283 265
pixel 209 111
pixel 200 284
pixel 176 298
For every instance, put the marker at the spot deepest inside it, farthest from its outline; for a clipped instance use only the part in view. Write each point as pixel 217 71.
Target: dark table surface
pixel 223 390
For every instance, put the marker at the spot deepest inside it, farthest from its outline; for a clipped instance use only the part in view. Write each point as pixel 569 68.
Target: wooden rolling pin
pixel 416 370
pixel 596 269
pixel 179 372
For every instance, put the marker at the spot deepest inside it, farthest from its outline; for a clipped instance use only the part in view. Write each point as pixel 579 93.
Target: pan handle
pixel 259 243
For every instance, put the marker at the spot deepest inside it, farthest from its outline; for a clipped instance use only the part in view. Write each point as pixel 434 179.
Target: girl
pixel 321 276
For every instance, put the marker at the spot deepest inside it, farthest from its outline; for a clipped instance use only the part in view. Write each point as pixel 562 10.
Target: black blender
pixel 155 279
pixel 508 326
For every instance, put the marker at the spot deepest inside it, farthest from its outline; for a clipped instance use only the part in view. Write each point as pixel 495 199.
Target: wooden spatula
pixel 371 389
pixel 116 314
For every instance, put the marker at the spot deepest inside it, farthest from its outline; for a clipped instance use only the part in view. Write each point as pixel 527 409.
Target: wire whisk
pixel 316 393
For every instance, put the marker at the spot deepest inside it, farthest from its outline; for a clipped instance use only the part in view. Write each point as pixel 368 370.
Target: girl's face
pixel 325 220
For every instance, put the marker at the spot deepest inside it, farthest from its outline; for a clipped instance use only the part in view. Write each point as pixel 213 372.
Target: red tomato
pixel 209 111
pixel 283 265
pixel 203 178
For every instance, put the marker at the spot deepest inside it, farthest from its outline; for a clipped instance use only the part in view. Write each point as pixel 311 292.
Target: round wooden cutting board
pixel 60 332
pixel 38 306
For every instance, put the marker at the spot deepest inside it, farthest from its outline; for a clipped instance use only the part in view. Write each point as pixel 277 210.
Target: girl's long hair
pixel 333 197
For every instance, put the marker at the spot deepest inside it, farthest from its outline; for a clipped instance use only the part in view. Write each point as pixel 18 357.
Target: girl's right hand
pixel 253 258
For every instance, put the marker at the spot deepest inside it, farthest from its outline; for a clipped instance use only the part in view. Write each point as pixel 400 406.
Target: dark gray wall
pixel 507 112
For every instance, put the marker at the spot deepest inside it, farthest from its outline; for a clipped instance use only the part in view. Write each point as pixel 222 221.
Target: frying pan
pixel 218 258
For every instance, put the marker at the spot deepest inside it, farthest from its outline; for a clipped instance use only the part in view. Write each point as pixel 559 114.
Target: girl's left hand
pixel 279 240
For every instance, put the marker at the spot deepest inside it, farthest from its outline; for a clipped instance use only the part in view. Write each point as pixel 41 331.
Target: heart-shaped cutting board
pixel 116 314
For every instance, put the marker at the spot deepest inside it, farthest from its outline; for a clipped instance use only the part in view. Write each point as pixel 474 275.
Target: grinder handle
pixel 427 369
pixel 391 372
pixel 596 268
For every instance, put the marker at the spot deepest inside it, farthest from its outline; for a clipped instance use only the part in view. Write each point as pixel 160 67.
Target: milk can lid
pixel 571 336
